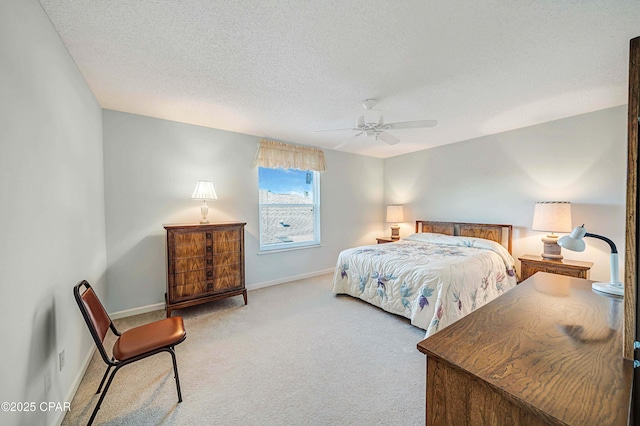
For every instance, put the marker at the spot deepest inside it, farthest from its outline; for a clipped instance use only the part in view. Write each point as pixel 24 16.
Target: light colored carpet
pixel 295 355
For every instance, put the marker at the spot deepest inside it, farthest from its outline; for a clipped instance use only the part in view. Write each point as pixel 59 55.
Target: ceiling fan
pixel 371 123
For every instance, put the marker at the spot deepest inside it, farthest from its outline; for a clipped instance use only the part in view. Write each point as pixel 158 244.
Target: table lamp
pixel 574 241
pixel 204 191
pixel 552 216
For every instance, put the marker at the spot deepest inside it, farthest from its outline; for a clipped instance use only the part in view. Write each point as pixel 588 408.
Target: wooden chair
pixel 132 345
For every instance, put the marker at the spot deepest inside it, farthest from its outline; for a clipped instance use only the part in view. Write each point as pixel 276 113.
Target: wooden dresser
pixel 547 352
pixel 204 263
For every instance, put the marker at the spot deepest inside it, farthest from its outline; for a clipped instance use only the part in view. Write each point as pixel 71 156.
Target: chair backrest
pixel 94 315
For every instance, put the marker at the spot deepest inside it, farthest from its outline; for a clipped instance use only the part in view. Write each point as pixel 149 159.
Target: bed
pixel 434 277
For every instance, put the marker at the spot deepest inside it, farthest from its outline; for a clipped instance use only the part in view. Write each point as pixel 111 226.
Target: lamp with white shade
pixel 395 214
pixel 204 191
pixel 552 216
pixel 574 241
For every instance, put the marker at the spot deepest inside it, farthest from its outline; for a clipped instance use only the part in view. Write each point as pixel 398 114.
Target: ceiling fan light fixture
pixel 372 117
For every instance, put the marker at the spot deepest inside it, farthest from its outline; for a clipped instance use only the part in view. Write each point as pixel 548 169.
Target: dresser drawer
pixel 193 291
pixel 531 264
pixel 227 276
pixel 187 264
pixel 190 239
pixel 220 237
pixel 530 270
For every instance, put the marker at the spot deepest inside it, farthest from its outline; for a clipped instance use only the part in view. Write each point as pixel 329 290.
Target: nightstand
pixel 382 240
pixel 530 264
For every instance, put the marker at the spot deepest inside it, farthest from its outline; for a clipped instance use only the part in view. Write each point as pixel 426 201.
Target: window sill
pixel 289 249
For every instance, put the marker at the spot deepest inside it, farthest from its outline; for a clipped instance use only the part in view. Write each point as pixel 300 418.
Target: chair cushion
pixel 149 337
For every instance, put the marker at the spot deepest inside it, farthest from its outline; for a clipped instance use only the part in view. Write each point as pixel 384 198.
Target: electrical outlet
pixel 47 381
pixel 61 357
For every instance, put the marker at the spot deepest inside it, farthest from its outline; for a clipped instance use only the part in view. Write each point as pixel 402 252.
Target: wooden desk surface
pixel 551 346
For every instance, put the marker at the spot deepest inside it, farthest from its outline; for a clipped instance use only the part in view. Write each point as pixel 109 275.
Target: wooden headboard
pixel 493 232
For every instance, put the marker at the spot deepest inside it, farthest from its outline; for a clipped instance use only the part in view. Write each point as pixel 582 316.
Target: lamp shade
pixel 575 240
pixel 204 191
pixel 395 213
pixel 552 216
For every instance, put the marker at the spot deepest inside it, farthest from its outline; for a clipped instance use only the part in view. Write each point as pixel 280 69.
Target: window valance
pixel 281 155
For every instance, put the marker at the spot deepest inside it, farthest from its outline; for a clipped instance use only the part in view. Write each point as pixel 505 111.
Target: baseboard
pixel 76 383
pixel 270 283
pixel 159 306
pixel 137 311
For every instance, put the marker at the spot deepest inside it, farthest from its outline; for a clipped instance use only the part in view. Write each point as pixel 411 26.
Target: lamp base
pixel 204 209
pixel 609 288
pixel 395 232
pixel 551 248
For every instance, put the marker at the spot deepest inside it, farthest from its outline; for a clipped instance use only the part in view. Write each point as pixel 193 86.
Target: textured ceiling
pixel 283 69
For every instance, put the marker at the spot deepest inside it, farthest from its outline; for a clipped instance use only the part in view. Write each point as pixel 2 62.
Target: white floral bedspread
pixel 432 279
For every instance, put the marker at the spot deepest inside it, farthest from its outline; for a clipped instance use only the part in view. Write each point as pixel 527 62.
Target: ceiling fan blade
pixel 334 130
pixel 387 138
pixel 360 122
pixel 411 124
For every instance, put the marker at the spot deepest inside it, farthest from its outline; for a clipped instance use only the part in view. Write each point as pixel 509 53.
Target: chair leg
pixel 106 388
pixel 175 369
pixel 103 379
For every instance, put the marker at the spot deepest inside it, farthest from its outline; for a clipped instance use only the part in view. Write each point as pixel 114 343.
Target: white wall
pixel 151 168
pixel 51 210
pixel 498 178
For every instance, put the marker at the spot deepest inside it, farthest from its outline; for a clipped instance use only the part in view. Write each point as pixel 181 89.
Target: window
pixel 289 208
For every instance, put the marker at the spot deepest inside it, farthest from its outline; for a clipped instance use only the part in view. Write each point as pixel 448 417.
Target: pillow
pixel 426 237
pixel 479 243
